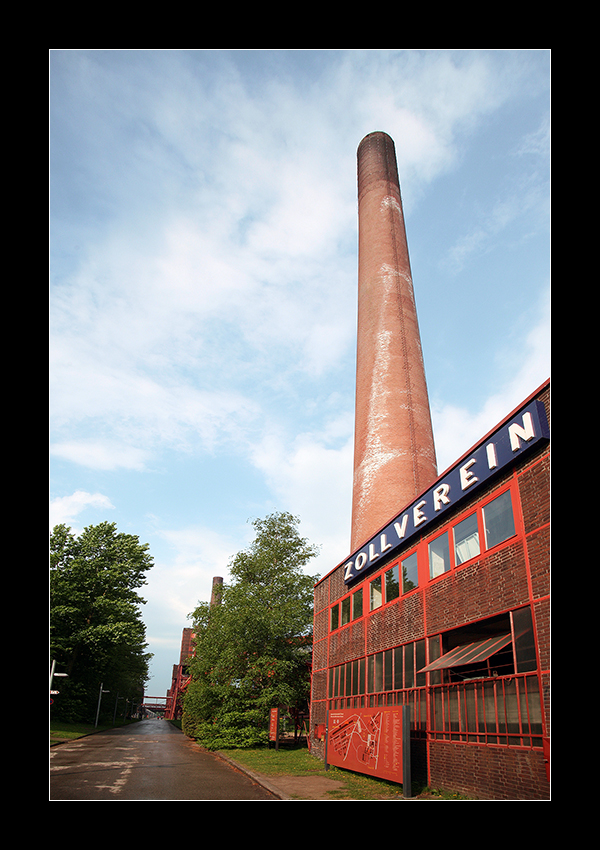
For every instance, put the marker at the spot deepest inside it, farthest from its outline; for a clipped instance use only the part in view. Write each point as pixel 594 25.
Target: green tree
pixel 253 649
pixel 96 632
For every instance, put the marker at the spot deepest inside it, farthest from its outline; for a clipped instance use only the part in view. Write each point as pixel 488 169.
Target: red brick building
pixel 181 677
pixel 445 609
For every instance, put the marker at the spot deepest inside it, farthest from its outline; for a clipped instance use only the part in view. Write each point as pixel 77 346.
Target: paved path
pixel 149 760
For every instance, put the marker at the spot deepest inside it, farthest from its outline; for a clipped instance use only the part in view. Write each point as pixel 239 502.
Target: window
pixel 525 656
pixel 345 611
pixel 498 520
pixel 375 673
pixel 357 604
pixel 347 679
pixel 505 711
pixel 376 597
pixel 394 669
pixel 489 692
pixel 410 575
pixel 466 539
pixel 439 556
pixel 350 608
pixel 498 646
pixel 392 584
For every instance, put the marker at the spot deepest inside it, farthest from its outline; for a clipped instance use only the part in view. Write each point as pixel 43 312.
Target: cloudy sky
pixel 204 274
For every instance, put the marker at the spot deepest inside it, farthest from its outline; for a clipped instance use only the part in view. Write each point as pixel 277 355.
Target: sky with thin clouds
pixel 204 276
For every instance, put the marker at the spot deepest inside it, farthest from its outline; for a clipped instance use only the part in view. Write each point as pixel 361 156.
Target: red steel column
pixel 394 454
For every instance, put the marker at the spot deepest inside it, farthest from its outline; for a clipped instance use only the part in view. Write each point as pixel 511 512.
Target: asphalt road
pixel 149 760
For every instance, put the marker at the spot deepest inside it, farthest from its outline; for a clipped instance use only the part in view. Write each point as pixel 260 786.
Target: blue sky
pixel 204 274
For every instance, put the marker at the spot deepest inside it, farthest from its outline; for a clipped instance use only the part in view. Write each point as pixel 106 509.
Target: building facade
pixel 446 609
pixel 181 677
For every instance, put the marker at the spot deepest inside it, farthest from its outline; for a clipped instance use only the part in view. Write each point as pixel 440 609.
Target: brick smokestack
pixel 217 590
pixel 394 454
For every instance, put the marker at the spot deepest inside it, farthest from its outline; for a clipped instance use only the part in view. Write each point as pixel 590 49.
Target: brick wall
pixel 508 577
pixel 489 773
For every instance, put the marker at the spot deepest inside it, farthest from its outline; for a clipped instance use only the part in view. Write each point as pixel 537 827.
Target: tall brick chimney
pixel 394 454
pixel 216 591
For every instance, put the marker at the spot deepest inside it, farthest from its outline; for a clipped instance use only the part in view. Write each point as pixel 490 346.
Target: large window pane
pixel 361 676
pixel 466 539
pixel 435 650
pixel 392 585
pixel 410 573
pixel 470 711
pixel 524 641
pixel 376 598
pixel 439 556
pixel 335 617
pixel 348 678
pixel 534 706
pixel 388 680
pixel 409 666
pixel 398 668
pixel 357 604
pixel 355 679
pixel 345 611
pixel 420 662
pixel 379 672
pixel 498 520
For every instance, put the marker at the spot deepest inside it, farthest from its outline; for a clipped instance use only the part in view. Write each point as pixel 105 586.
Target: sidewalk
pixel 299 788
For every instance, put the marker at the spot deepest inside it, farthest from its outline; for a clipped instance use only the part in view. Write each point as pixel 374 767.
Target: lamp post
pixel 99 701
pixel 116 702
pixel 53 674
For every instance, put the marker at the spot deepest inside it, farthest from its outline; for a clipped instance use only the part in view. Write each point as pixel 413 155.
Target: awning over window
pixel 470 653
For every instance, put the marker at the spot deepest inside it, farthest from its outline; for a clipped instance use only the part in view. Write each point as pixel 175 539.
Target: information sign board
pixel 368 740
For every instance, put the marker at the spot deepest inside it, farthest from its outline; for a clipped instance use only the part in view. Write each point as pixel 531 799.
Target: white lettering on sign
pixel 467 479
pixel 516 433
pixel 485 458
pixel 440 496
pixel 384 544
pixel 361 560
pixel 401 526
pixel 418 515
pixel 492 458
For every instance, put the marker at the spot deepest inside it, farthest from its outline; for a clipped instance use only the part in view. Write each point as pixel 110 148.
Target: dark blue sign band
pixel 517 436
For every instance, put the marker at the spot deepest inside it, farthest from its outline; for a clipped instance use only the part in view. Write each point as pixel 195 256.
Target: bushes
pixel 253 649
pixel 231 731
pixel 217 718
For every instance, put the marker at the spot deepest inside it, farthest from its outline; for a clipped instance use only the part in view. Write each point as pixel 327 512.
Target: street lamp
pixel 116 702
pixel 99 701
pixel 53 674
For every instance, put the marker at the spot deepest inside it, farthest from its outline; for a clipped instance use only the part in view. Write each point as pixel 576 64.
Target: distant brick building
pixel 180 677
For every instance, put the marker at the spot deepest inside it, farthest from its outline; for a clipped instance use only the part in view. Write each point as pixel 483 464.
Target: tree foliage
pixel 253 649
pixel 96 632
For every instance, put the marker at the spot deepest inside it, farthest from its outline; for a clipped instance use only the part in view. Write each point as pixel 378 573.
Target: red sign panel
pixel 367 741
pixel 273 724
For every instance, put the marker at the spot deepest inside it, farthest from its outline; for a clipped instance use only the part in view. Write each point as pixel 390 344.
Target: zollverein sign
pixel 517 435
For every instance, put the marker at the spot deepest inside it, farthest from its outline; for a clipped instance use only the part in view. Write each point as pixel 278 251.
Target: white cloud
pixel 99 454
pixel 183 574
pixel 311 475
pixel 64 509
pixel 526 365
pixel 239 262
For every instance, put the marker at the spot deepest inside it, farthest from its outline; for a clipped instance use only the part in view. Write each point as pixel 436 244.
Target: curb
pixel 256 777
